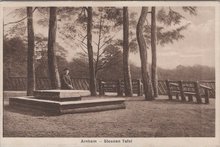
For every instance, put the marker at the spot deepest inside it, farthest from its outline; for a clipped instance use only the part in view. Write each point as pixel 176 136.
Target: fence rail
pixel 20 83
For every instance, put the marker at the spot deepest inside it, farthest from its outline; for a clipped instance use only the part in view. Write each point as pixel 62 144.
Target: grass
pixel 159 118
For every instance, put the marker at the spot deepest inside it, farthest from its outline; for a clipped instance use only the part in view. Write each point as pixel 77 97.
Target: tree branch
pixel 106 42
pixel 83 43
pixel 98 44
pixel 109 63
pixel 83 49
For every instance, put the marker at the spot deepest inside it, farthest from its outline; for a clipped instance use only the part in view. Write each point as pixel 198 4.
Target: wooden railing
pixel 19 84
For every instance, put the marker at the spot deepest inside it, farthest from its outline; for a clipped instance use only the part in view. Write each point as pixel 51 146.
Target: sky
pixel 197 47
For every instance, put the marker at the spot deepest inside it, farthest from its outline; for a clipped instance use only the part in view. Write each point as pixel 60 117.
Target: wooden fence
pixel 19 84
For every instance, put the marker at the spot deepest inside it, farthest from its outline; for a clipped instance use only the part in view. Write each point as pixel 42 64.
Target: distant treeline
pixel 195 72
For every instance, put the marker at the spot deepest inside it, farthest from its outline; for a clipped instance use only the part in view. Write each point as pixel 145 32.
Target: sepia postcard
pixel 110 73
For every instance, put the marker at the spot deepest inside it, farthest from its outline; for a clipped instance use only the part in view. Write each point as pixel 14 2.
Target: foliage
pixel 170 17
pixel 14 56
pixel 174 19
pixel 191 10
pixel 170 36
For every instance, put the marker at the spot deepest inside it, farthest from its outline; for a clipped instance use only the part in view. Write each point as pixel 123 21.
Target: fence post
pixel 198 96
pixel 142 89
pixel 190 98
pixel 101 88
pixel 177 96
pixel 139 88
pixel 206 96
pixel 6 83
pixel 183 98
pixel 119 88
pixel 168 90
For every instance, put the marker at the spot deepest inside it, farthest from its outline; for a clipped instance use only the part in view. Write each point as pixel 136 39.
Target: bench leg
pixel 183 98
pixel 177 96
pixel 198 99
pixel 190 98
pixel 207 96
pixel 170 97
pixel 198 96
pixel 168 90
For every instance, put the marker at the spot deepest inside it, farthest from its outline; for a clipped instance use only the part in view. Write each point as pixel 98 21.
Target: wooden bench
pixel 118 87
pixel 188 89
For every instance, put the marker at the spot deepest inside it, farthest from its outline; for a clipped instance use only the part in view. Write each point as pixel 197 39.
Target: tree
pixel 154 53
pixel 92 82
pixel 148 91
pixel 101 28
pixel 52 63
pixel 164 37
pixel 126 66
pixel 30 58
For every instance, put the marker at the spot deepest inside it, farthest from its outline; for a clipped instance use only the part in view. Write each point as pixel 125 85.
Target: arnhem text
pixel 106 141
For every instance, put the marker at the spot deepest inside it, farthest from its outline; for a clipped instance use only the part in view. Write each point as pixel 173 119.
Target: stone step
pixel 56 107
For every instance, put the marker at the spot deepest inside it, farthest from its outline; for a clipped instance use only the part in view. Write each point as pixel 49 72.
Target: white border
pixel 139 142
pixel 111 3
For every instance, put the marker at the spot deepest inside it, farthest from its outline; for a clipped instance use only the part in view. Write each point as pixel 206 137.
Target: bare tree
pixel 92 82
pixel 148 91
pixel 30 60
pixel 52 63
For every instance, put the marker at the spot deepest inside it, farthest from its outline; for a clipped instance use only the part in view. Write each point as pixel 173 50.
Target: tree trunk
pixel 30 57
pixel 154 53
pixel 52 63
pixel 98 47
pixel 92 82
pixel 126 66
pixel 143 55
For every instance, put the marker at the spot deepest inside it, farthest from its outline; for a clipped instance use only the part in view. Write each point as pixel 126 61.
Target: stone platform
pixel 57 95
pixel 64 101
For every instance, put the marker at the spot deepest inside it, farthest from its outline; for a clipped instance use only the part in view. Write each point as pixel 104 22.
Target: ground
pixel 158 118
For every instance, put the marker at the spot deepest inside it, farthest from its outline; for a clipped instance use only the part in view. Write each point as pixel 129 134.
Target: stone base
pixel 55 94
pixel 58 95
pixel 62 107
